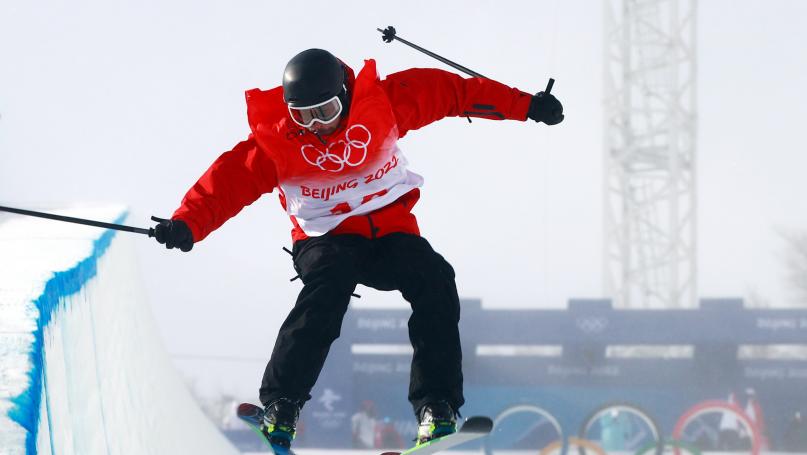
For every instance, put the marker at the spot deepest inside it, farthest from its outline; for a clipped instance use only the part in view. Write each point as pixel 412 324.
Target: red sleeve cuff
pixel 197 233
pixel 522 106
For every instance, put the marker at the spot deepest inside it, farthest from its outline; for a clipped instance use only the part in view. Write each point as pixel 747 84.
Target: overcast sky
pixel 130 102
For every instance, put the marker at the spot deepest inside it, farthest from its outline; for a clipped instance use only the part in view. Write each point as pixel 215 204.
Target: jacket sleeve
pixel 420 96
pixel 235 180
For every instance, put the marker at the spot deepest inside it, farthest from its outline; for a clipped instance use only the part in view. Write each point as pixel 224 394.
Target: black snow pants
pixel 330 267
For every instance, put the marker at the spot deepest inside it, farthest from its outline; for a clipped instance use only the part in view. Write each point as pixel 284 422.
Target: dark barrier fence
pixel 567 364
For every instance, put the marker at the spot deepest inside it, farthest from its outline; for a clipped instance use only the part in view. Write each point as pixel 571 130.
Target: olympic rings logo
pixel 592 324
pixel 337 154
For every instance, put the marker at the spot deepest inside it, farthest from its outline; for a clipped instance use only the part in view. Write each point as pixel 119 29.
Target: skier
pixel 327 141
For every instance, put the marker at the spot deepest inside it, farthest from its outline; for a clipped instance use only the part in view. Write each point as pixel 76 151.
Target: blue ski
pixel 253 416
pixel 473 428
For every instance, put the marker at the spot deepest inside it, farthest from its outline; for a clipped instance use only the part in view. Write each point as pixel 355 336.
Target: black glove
pixel 173 233
pixel 544 107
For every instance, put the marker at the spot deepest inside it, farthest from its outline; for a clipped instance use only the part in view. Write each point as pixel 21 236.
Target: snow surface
pixel 82 370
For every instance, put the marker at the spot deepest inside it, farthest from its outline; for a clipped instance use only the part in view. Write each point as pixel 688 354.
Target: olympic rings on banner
pixel 641 414
pixel 335 162
pixel 691 448
pixel 580 443
pixel 718 406
pixel 528 408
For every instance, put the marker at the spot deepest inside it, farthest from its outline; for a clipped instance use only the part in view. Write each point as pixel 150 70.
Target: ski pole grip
pixel 157 219
pixel 549 86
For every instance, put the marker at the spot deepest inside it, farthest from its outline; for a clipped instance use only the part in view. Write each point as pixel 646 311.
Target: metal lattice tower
pixel 649 256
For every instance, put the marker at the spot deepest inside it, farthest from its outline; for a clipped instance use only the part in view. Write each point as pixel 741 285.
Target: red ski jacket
pixel 356 180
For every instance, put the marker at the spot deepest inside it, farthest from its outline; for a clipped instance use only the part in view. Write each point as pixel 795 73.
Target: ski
pixel 253 416
pixel 473 428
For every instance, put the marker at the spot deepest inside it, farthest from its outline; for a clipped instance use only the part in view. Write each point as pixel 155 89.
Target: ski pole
pixel 70 219
pixel 389 34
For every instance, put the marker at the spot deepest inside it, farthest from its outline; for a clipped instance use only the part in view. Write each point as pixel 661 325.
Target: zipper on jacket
pixel 373 230
pixel 324 142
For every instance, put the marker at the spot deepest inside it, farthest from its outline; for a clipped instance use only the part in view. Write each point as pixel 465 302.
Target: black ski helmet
pixel 313 76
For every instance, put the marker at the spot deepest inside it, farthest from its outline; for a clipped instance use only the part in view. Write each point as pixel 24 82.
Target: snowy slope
pixel 81 366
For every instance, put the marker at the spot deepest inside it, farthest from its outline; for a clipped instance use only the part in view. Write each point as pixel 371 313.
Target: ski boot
pixel 435 420
pixel 280 422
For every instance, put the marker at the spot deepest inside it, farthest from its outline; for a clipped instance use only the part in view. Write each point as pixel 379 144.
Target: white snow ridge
pixel 82 370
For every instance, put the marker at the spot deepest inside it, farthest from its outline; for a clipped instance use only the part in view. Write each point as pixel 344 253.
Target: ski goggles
pixel 324 112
